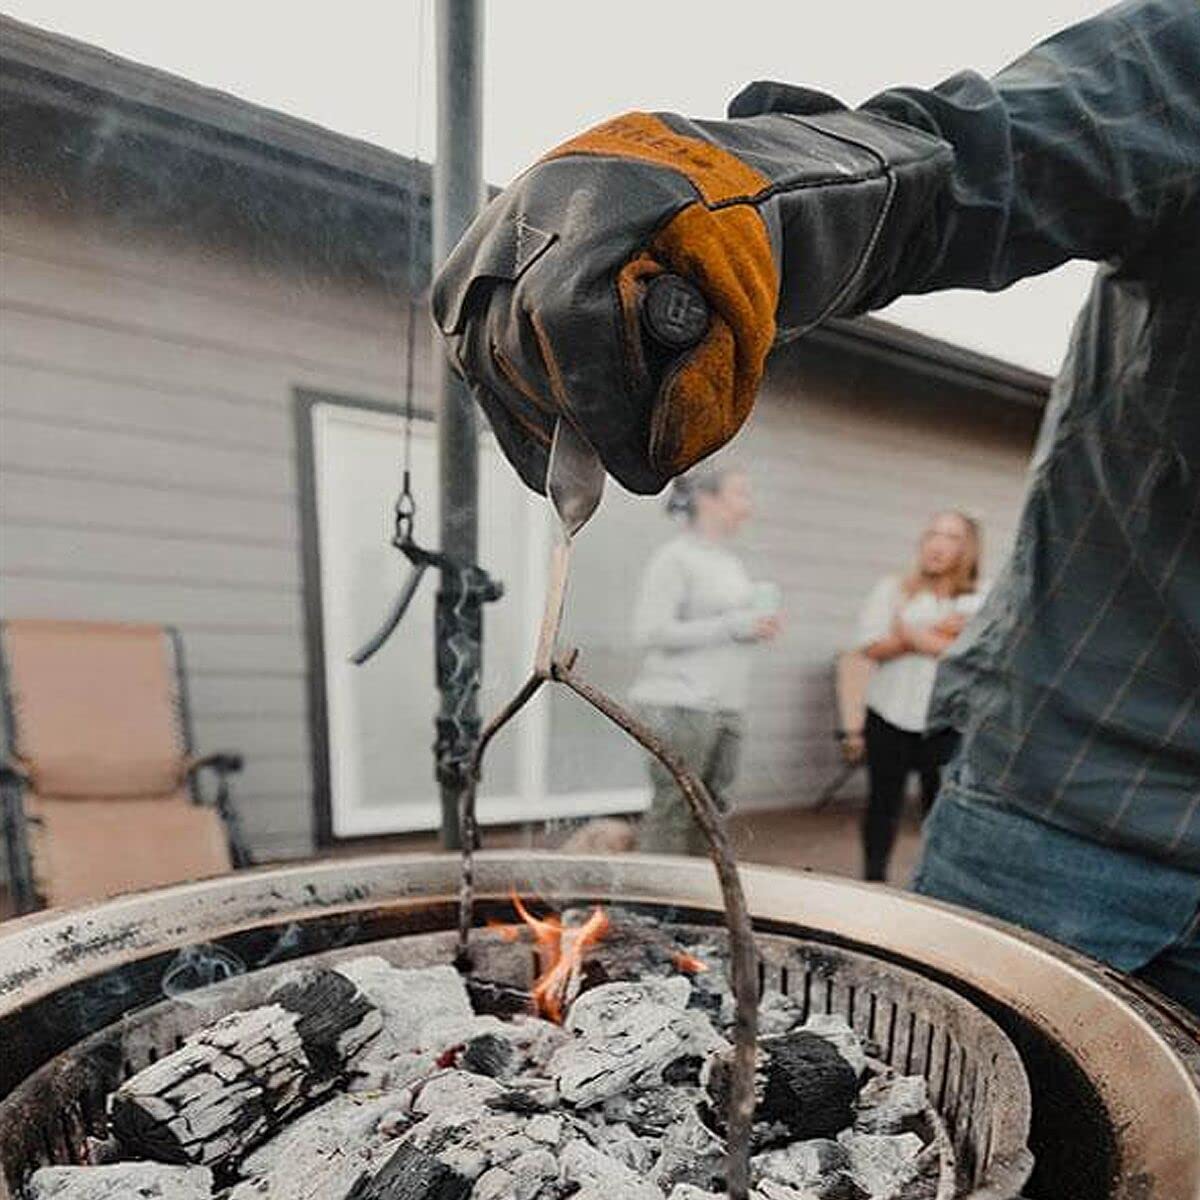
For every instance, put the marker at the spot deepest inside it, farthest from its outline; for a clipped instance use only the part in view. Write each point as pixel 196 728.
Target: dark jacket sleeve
pixel 1086 147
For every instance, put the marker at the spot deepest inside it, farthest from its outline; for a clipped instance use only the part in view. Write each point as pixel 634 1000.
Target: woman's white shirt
pixel 899 689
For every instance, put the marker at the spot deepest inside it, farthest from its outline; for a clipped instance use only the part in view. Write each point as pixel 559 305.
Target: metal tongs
pixel 575 484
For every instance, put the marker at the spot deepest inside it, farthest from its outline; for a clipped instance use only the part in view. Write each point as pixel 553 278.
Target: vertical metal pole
pixel 457 196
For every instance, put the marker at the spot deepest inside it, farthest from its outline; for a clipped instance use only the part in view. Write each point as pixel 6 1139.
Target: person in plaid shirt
pixel 633 281
pixel 1073 804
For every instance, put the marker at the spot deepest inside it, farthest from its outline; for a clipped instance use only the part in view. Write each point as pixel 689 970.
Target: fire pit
pixel 88 998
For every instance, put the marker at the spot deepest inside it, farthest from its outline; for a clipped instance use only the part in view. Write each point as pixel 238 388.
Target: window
pixel 374 723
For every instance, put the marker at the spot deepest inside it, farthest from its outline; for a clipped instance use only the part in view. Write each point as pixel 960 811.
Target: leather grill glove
pixel 634 279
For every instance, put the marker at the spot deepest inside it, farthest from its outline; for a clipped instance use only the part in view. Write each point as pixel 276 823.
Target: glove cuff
pixel 855 197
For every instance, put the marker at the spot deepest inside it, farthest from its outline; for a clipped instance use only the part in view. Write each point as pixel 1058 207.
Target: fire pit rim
pixel 47 934
pixel 1102 1019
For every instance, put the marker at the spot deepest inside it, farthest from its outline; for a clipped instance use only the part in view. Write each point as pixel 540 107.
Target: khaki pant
pixel 710 743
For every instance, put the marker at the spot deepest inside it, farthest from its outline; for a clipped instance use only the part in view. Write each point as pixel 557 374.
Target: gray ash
pixel 624 1101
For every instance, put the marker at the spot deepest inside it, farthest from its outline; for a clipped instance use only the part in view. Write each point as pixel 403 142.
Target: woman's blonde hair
pixel 964 579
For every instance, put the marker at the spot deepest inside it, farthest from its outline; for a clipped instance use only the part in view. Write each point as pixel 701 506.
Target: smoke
pixel 199 966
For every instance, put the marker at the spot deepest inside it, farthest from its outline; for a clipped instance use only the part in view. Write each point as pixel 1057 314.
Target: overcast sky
pixel 552 67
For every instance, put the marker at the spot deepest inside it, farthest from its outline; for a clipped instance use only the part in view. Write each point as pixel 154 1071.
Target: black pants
pixel 892 754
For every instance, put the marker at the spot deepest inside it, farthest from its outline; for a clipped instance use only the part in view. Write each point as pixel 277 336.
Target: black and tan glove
pixel 634 279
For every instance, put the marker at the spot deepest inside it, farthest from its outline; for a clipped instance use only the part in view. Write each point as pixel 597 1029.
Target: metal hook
pixel 393 618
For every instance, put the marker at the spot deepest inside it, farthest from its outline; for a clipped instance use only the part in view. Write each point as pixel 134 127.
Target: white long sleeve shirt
pixel 694 618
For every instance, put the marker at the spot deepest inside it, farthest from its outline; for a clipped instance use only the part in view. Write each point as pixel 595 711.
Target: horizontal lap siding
pixel 147 469
pixel 148 472
pixel 845 472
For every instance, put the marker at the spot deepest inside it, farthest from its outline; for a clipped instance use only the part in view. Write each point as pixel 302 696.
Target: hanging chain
pixel 406 504
pixel 465 586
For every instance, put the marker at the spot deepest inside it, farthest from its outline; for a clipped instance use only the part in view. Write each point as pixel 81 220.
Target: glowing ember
pixel 560 951
pixel 689 964
pixel 508 933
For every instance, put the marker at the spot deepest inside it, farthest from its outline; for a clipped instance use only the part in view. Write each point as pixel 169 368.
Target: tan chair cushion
pixel 89 849
pixel 96 707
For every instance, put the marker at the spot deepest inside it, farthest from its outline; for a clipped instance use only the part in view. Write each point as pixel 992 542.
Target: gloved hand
pixel 634 279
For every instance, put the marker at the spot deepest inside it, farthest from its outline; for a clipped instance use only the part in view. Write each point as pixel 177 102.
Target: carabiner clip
pixel 405 510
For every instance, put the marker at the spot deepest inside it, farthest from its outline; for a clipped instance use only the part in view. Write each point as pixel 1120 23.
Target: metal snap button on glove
pixel 674 312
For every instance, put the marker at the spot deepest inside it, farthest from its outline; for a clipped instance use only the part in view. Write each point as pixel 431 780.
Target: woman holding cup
pixel 697 619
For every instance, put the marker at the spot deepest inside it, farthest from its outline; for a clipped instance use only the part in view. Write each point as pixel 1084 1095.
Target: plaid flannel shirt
pixel 1077 689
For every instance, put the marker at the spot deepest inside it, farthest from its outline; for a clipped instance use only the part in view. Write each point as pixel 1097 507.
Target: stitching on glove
pixel 549 363
pixel 718 175
pixel 860 267
pixel 880 169
pixel 516 380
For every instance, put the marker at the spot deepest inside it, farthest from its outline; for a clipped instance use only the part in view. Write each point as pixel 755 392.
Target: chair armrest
pixel 13 774
pixel 223 762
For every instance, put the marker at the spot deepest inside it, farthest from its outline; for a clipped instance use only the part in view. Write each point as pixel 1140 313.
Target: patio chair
pixel 851 673
pixel 101 792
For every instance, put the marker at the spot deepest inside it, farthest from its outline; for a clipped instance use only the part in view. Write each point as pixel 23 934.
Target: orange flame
pixel 560 951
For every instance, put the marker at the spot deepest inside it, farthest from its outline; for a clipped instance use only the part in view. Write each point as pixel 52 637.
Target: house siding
pixel 148 473
pixel 148 466
pixel 848 460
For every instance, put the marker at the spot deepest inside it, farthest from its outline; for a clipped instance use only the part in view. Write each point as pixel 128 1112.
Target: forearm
pixel 908 640
pixel 1071 152
pixel 671 633
pixel 887 648
pixel 1068 153
pixel 932 642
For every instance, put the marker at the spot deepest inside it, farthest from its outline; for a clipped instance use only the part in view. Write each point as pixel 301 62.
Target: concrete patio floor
pixel 826 841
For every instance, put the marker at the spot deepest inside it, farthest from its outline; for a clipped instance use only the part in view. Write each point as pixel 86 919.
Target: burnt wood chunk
pixel 489 1054
pixel 637 948
pixel 626 1035
pixel 412 1174
pixel 805 1089
pixel 690 1154
pixel 321 1154
pixel 893 1106
pixel 595 1173
pixel 818 1167
pixel 882 1165
pixel 230 1086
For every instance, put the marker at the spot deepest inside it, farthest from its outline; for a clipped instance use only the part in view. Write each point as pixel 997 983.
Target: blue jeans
pixel 1138 915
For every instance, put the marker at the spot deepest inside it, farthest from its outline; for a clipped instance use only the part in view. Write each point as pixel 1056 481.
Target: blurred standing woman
pixel 697 618
pixel 907 624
